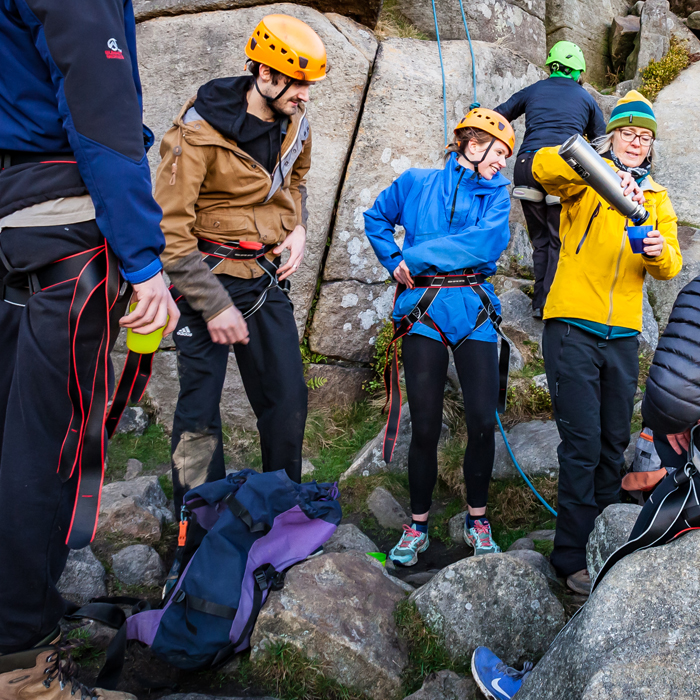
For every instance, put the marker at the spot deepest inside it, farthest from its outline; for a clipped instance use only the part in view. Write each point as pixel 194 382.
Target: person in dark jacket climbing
pixel 233 191
pixel 77 220
pixel 554 109
pixel 456 222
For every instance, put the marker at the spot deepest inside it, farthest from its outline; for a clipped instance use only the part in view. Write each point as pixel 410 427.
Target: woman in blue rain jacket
pixel 456 222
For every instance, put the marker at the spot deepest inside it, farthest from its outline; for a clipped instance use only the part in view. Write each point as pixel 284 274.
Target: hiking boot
pixel 46 673
pixel 411 544
pixel 496 680
pixel 580 582
pixel 479 538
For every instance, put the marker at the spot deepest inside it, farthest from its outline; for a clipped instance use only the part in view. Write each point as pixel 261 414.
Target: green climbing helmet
pixel 566 55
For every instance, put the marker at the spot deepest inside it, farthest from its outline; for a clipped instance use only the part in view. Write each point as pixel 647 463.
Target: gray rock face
pixel 136 508
pixel 357 642
pixel 681 32
pixel 536 561
pixel 519 250
pixel 630 641
pixel 519 26
pixel 446 685
pixel 349 538
pixel 693 21
pixel 516 309
pixel 523 544
pixel 649 337
pixel 586 23
pixel 349 317
pixel 360 36
pixel 83 578
pixel 612 530
pixel 178 54
pixel 664 292
pixel 389 141
pixel 493 600
pixel 456 527
pixel 676 110
pixel 535 446
pixel 133 469
pixel 134 420
pixel 138 565
pixel 343 385
pixel 369 460
pixel 623 31
pixel 652 41
pixel 605 102
pixel 364 11
pixel 387 510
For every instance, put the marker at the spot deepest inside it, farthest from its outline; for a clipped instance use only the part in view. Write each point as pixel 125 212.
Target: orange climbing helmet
pixel 289 46
pixel 492 123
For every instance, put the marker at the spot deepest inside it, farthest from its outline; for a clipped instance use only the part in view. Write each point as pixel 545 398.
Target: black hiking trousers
pixel 36 506
pixel 542 228
pixel 592 383
pixel 273 378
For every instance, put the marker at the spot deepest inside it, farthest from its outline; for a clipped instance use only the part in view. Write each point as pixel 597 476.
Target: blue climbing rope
pixel 522 473
pixel 442 69
pixel 474 104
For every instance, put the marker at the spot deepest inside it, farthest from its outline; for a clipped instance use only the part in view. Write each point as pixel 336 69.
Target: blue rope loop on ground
pixel 522 473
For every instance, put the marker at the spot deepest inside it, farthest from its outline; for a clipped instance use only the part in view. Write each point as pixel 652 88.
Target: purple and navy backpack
pixel 243 533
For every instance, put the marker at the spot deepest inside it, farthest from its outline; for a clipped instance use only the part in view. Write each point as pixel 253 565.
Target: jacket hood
pixel 223 103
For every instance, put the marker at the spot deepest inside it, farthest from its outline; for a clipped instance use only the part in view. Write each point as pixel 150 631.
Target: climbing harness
pixel 475 103
pixel 419 314
pixel 215 253
pixel 98 294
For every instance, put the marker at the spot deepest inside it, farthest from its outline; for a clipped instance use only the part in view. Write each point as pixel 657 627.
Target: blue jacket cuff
pixel 145 273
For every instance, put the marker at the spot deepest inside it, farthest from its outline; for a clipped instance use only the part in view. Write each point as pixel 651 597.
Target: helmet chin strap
pixel 477 163
pixel 269 99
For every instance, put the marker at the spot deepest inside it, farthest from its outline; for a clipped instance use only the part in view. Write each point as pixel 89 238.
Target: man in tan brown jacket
pixel 232 187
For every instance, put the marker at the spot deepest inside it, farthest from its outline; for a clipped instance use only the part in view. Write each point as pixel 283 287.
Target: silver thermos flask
pixel 581 156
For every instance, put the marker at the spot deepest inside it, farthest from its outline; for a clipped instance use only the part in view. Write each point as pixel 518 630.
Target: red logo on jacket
pixel 113 50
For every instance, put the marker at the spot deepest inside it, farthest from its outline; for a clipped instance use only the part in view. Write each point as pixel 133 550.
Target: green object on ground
pixel 381 558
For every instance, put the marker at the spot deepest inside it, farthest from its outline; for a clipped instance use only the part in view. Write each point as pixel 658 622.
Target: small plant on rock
pixel 658 74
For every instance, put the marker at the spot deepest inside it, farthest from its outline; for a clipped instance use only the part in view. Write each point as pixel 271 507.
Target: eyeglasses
pixel 629 137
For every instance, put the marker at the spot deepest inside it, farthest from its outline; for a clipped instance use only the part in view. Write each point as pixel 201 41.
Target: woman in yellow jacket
pixel 592 318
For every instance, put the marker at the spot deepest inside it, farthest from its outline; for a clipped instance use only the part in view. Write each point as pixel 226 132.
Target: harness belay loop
pixel 419 314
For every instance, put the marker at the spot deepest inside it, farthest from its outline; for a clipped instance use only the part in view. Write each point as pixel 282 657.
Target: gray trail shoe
pixel 47 673
pixel 580 582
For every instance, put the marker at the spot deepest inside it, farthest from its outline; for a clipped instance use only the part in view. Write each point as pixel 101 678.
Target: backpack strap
pixel 240 511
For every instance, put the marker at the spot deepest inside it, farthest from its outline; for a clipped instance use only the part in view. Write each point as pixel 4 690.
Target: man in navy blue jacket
pixel 554 109
pixel 77 220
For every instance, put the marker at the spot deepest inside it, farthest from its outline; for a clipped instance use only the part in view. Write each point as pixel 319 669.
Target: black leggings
pixel 425 362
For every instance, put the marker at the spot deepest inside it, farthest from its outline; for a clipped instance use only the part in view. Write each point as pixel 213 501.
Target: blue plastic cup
pixel 636 235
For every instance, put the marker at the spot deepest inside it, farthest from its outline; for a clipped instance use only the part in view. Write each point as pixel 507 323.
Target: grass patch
pixel 378 361
pixel 151 449
pixel 526 401
pixel 287 674
pixel 84 651
pixel 516 269
pixel 658 74
pixel 334 436
pixel 439 528
pixel 426 652
pixel 544 547
pixel 392 23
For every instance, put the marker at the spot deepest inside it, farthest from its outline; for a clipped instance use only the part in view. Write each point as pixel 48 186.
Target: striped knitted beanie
pixel 632 110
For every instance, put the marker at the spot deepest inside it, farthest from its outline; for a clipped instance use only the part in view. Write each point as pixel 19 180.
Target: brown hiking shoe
pixel 46 673
pixel 580 582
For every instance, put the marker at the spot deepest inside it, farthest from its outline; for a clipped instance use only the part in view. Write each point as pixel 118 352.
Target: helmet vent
pixel 290 60
pixel 253 43
pixel 272 46
pixel 266 36
pixel 303 62
pixel 501 126
pixel 283 51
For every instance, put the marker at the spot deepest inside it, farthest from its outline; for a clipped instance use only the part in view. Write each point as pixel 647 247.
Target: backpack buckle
pixel 260 579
